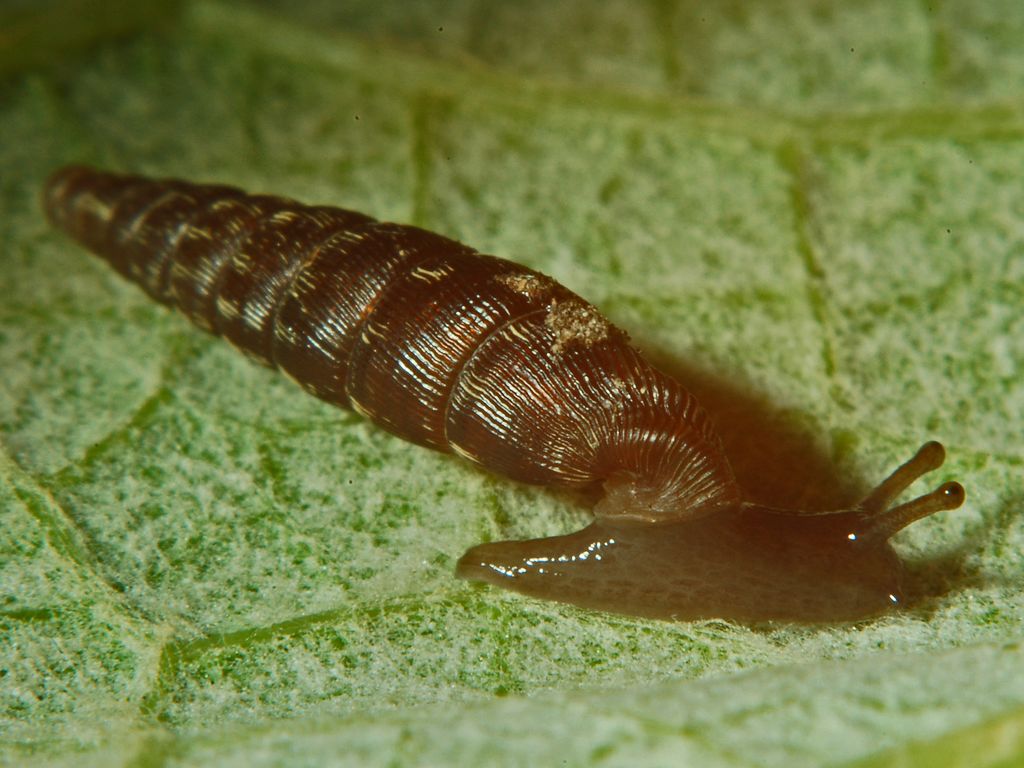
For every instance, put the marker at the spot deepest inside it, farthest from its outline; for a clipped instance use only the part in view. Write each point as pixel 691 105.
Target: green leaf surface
pixel 812 213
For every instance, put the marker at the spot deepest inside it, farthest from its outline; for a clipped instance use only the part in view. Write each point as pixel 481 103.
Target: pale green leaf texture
pixel 812 212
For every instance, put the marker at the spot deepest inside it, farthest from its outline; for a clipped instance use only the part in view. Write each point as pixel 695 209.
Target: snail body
pixel 475 355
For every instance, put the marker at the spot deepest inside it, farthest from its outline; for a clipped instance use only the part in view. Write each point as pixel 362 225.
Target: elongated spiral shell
pixel 441 345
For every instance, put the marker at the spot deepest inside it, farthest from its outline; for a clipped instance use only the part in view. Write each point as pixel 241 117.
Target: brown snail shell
pixel 472 354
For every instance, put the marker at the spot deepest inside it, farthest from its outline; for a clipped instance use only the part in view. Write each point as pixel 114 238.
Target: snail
pixel 472 354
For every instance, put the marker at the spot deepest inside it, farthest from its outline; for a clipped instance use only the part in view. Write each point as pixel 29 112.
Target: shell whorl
pixel 442 345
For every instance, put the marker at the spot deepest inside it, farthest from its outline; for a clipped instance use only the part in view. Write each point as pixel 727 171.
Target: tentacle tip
pixel 952 494
pixel 932 454
pixel 946 497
